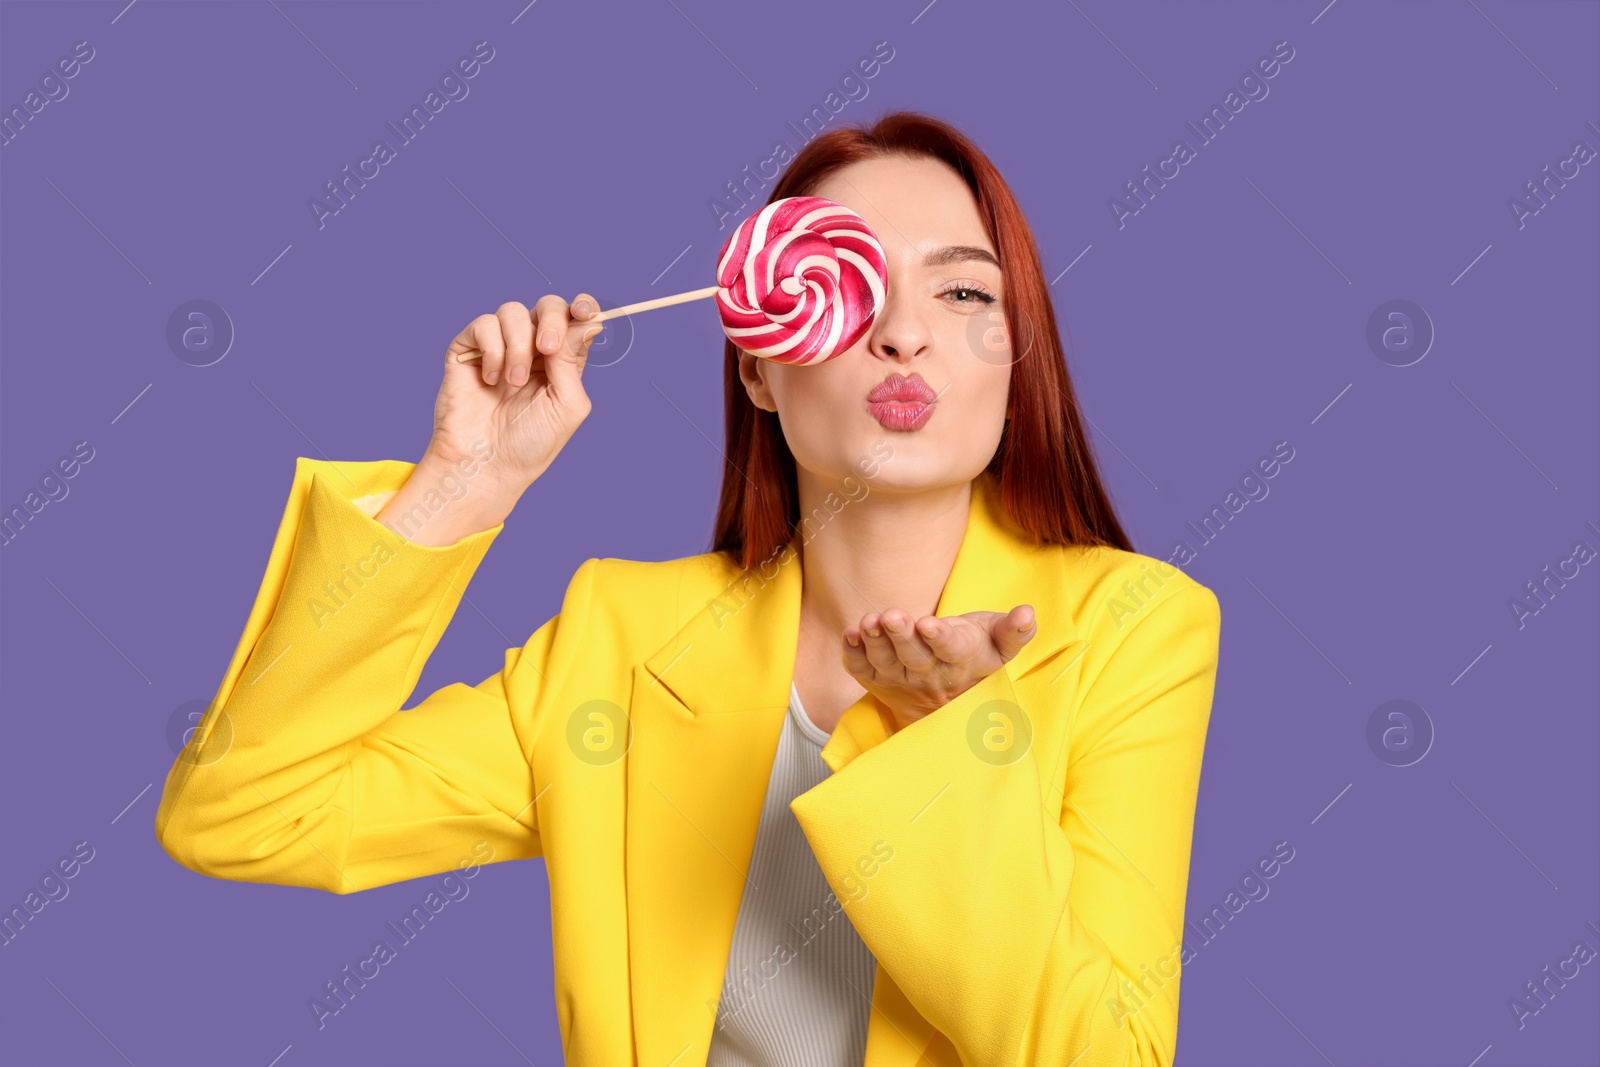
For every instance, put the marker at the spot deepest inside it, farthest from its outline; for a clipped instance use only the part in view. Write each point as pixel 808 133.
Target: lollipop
pixel 798 282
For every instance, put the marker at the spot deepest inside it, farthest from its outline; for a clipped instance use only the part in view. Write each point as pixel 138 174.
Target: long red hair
pixel 1045 468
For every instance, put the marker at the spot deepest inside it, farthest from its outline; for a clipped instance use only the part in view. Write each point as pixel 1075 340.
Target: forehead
pixel 913 200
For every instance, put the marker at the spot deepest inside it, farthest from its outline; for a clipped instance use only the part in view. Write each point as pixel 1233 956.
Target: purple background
pixel 1225 317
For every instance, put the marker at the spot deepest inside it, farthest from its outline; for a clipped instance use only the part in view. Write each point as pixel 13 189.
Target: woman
pixel 921 684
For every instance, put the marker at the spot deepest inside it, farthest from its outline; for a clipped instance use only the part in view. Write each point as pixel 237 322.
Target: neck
pixel 883 550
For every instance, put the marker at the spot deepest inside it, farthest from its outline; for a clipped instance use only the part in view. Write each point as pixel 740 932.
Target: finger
pixel 550 319
pixel 855 654
pixel 516 327
pixel 489 340
pixel 879 649
pixel 908 646
pixel 949 642
pixel 562 366
pixel 463 346
pixel 1013 630
pixel 583 342
pixel 585 307
pixel 583 330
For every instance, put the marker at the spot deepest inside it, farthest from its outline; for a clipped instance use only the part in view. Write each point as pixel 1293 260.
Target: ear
pixel 753 371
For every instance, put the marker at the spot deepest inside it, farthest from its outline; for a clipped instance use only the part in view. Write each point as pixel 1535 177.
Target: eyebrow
pixel 941 257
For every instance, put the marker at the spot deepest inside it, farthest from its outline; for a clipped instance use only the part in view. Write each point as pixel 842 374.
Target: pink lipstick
pixel 902 403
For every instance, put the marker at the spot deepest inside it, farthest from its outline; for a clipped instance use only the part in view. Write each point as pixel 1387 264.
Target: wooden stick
pixel 658 302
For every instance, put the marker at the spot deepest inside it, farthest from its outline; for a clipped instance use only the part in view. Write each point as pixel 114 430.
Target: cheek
pixel 984 335
pixel 981 389
pixel 815 405
pixel 975 403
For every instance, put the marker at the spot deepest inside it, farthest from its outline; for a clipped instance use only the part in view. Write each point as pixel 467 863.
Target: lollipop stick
pixel 658 302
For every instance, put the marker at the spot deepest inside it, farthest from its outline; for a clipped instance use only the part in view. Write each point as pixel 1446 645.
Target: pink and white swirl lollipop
pixel 801 280
pixel 798 282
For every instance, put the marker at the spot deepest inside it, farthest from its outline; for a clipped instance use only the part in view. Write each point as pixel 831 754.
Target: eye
pixel 963 293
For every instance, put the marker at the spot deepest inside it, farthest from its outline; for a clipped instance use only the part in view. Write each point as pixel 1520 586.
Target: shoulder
pixel 1109 591
pixel 646 596
pixel 1152 638
pixel 656 579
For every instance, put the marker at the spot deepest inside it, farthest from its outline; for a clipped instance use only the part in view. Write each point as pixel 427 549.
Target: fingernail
pixel 852 641
pixel 518 375
pixel 547 340
pixel 590 335
pixel 892 627
pixel 873 631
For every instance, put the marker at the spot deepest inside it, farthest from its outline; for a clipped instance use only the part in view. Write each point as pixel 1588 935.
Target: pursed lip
pixel 902 402
pixel 900 387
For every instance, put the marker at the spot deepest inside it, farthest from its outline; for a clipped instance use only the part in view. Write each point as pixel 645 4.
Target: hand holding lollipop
pixel 798 282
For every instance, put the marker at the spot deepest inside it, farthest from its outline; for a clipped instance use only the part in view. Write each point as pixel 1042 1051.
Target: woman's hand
pixel 917 666
pixel 514 380
pixel 511 398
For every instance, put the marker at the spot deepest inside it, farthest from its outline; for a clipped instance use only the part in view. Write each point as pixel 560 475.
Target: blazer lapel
pixel 707 709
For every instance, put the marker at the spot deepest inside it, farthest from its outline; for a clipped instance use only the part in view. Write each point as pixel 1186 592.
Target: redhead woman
pixel 902 772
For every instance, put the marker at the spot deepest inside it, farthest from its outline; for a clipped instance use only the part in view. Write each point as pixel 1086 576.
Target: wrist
pixel 444 501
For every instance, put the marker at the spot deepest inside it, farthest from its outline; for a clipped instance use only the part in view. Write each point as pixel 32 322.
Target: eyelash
pixel 983 295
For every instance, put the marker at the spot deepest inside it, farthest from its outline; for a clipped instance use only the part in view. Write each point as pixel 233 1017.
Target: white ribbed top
pixel 798 989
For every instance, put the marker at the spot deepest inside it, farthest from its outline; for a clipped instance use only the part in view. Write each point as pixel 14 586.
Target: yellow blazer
pixel 1038 825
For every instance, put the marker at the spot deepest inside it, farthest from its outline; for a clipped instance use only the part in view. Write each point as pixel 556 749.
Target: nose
pixel 900 332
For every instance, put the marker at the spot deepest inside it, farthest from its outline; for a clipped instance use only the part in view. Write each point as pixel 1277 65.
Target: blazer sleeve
pixel 304 770
pixel 1036 918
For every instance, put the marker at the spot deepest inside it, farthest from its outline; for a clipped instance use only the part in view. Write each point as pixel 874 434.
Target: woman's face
pixel 941 334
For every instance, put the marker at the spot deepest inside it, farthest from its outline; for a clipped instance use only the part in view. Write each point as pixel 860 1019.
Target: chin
pixel 914 462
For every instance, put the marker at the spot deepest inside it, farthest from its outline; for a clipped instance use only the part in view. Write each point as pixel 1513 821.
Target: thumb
pixel 1013 630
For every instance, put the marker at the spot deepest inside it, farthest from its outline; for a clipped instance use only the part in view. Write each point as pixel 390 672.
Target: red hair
pixel 1046 471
